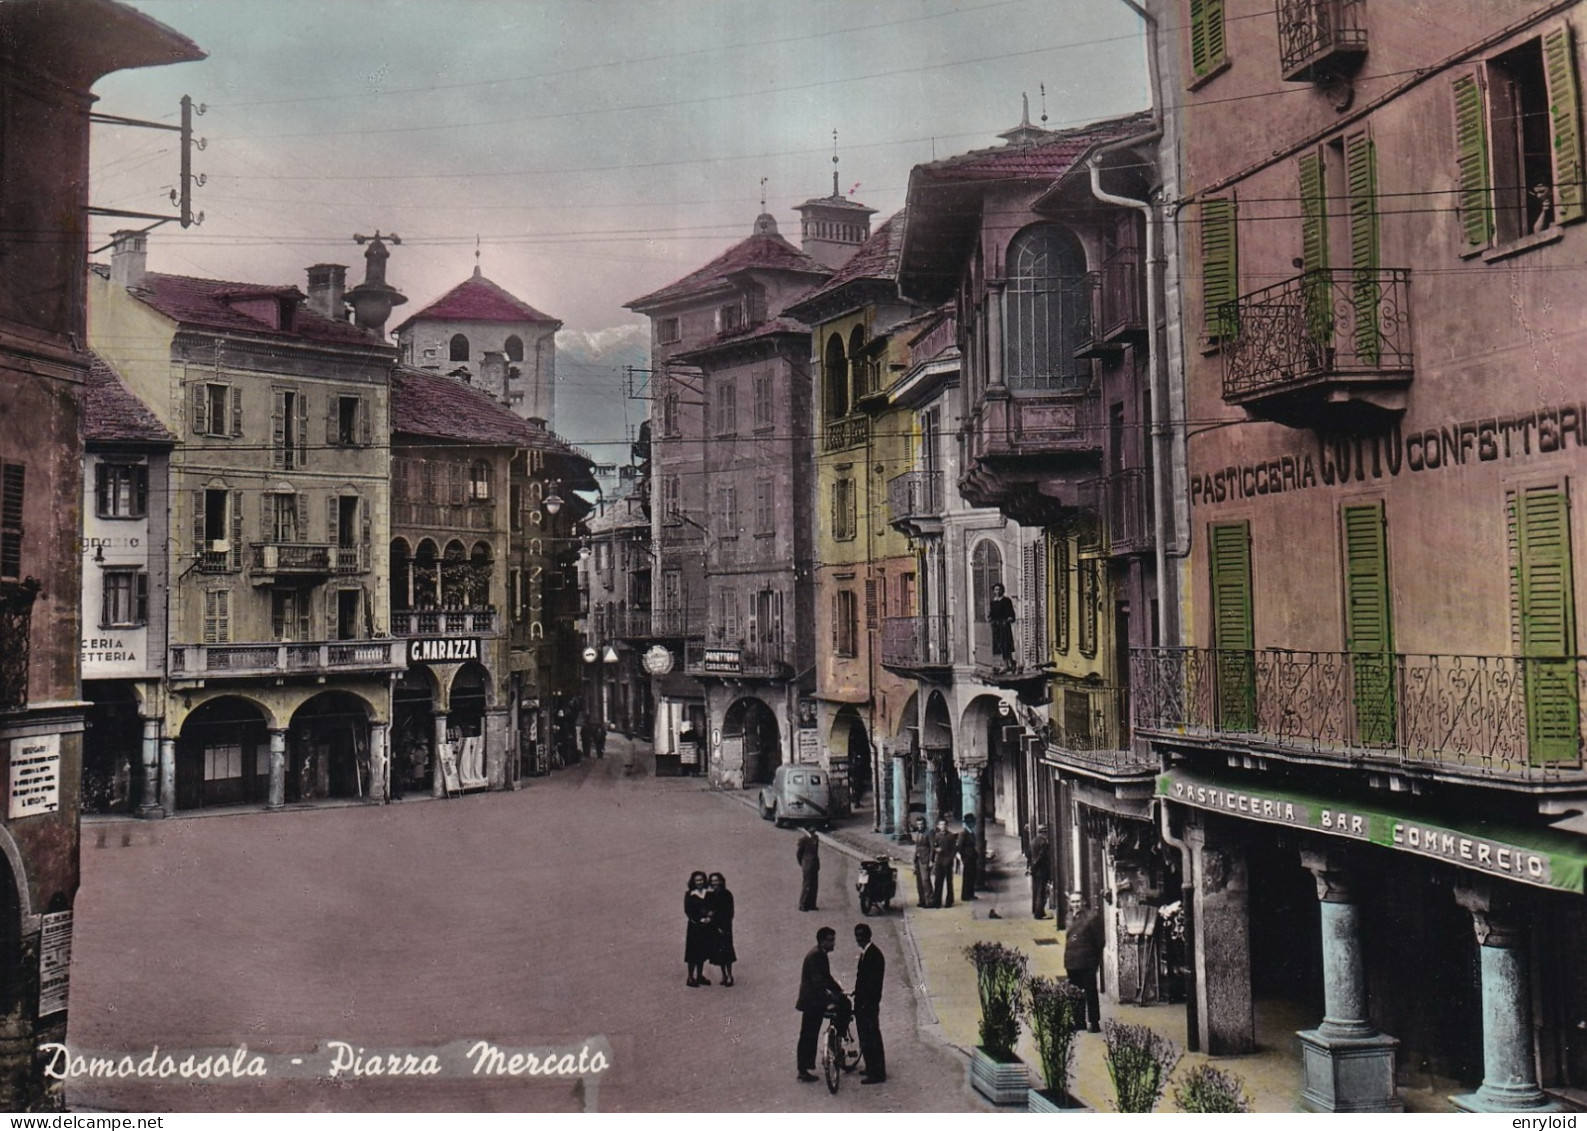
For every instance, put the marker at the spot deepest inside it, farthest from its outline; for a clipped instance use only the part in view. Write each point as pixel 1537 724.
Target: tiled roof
pixel 1048 157
pixel 477 300
pixel 766 251
pixel 203 303
pixel 877 258
pixel 769 329
pixel 112 414
pixel 428 404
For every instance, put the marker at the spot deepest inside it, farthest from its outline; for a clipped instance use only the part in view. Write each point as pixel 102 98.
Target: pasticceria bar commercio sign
pixel 1541 857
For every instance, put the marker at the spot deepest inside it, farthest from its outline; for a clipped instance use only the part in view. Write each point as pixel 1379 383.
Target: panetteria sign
pixel 443 650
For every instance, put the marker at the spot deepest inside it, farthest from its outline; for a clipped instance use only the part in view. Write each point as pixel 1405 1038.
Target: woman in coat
pixel 699 938
pixel 720 901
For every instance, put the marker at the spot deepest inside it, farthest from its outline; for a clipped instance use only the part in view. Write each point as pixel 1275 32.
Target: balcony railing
pixel 1318 332
pixel 200 661
pixel 914 495
pixel 16 630
pixel 1127 510
pixel 1497 717
pixel 1090 729
pixel 677 623
pixel 765 660
pixel 916 643
pixel 1117 303
pixel 292 557
pixel 1319 39
pixel 850 432
pixel 350 559
pixel 445 622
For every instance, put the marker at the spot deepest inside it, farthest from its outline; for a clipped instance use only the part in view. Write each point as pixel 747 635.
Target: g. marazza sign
pixel 1538 857
pixel 443 650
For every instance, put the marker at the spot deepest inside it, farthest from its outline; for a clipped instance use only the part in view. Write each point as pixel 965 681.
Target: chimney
pixel 327 284
pixel 129 258
pixel 493 374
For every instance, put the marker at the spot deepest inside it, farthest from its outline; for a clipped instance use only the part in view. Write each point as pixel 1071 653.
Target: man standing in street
pixel 818 990
pixel 809 856
pixel 923 863
pixel 1040 870
pixel 868 1005
pixel 944 847
pixel 1083 944
pixel 969 857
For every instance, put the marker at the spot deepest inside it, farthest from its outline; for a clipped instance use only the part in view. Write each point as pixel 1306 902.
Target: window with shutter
pixel 1471 160
pixel 1219 270
pixel 234 509
pixel 279 417
pixel 1315 292
pixel 236 412
pixel 1544 604
pixel 217 616
pixel 1060 592
pixel 1564 105
pixel 1089 577
pixel 1361 176
pixel 1369 625
pixel 1206 36
pixel 1233 635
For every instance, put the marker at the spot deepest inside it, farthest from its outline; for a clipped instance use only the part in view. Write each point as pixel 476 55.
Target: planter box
pixel 1042 1099
pixel 1003 1082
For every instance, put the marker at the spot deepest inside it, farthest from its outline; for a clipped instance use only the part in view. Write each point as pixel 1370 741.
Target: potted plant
pixel 1057 1013
pixel 1139 1061
pixel 995 1071
pixel 1208 1089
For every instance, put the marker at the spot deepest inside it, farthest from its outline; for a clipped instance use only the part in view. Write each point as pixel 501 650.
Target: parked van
pixel 797 794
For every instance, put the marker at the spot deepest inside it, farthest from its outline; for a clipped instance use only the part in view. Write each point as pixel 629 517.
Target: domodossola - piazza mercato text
pixel 1342 459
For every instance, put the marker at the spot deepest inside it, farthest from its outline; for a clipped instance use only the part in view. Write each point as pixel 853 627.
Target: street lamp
pixel 553 503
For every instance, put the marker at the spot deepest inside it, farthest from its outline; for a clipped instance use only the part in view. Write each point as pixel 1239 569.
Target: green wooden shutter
pixel 1219 276
pixel 1233 636
pixel 1361 175
pixel 200 408
pixel 1564 106
pixel 1471 161
pixel 1206 35
pixel 1315 288
pixel 1369 623
pixel 1541 521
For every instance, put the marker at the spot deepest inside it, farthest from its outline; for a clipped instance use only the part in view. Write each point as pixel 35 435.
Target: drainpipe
pixel 1162 461
pixel 1187 905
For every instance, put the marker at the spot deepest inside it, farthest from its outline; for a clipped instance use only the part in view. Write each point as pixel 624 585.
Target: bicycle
pixel 840 1050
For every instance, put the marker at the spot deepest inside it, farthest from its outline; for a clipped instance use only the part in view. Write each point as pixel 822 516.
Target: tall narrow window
pixel 126 598
pixel 765 507
pixel 845 518
pixel 457 348
pixel 1361 176
pixel 1219 270
pixel 1543 609
pixel 13 482
pixel 1233 635
pixel 1369 625
pixel 845 623
pixel 726 407
pixel 1048 309
pixel 1206 36
pixel 835 376
pixel 727 510
pixel 289 428
pixel 765 416
pixel 513 348
pixel 217 616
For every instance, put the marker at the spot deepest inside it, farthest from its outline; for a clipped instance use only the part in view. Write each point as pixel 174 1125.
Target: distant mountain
pixel 592 405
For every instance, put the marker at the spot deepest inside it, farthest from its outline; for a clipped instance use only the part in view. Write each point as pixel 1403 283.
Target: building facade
pixel 50 57
pixel 616 587
pixel 1372 724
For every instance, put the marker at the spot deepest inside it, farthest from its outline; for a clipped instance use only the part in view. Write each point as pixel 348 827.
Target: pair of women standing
pixel 708 906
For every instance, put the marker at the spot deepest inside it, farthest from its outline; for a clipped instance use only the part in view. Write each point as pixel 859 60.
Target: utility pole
pixel 182 195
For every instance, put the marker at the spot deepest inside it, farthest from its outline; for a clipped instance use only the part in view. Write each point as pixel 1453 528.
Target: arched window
pixel 986 570
pixel 1048 309
pixel 513 348
pixel 459 348
pixel 836 372
pixel 401 574
pixel 859 370
pixel 454 575
pixel 426 576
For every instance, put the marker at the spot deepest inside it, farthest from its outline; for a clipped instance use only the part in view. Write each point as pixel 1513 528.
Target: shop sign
pixel 657 660
pixel 443 650
pixel 1399 832
pixel 689 753
pixel 729 661
pixel 35 775
pixel 809 746
pixel 55 961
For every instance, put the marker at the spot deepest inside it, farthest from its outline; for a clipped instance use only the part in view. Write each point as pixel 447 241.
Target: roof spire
pixel 835 192
pixel 476 255
pixel 1043 105
pixel 763 194
pixel 1025 133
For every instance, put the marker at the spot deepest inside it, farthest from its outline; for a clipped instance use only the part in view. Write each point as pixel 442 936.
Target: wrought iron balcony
pixel 764 660
pixel 1127 511
pixel 296 558
pixel 1090 731
pixel 445 622
pixel 677 624
pixel 1020 448
pixel 1458 717
pixel 1320 40
pixel 916 644
pixel 16 629
pixel 849 432
pixel 213 661
pixel 1335 342
pixel 1118 304
pixel 915 502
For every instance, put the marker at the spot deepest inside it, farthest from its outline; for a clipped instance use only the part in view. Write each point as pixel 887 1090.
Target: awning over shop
pixel 1541 857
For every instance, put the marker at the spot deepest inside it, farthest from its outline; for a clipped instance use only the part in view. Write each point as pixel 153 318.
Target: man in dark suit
pixel 969 856
pixel 944 848
pixel 809 856
pixel 868 1005
pixel 818 991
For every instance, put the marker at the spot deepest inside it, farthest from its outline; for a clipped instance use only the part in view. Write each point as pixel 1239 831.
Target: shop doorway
pixel 328 747
pixel 223 755
pixel 754 725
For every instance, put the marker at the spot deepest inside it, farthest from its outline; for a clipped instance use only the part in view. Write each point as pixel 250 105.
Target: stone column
pixel 437 777
pixel 168 774
pixel 278 768
pixel 1349 1065
pixel 928 786
pixel 1509 1071
pixel 149 806
pixel 994 335
pixel 1222 946
pixel 900 765
pixel 379 761
pixel 970 795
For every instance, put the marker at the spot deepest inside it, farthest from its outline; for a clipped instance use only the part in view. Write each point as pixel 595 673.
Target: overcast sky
pixel 598 149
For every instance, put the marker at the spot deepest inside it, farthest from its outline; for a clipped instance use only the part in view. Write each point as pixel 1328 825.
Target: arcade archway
pixel 753 726
pixel 223 755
